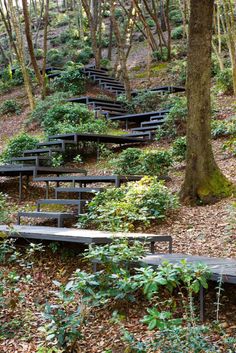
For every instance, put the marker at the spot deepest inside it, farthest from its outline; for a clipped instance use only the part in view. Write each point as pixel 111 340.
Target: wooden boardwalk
pixel 83 236
pixel 220 267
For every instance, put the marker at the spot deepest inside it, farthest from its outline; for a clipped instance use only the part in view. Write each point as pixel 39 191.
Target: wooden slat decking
pixel 220 267
pixel 83 236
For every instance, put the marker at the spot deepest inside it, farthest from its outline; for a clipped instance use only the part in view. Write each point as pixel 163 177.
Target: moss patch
pixel 154 72
pixel 216 186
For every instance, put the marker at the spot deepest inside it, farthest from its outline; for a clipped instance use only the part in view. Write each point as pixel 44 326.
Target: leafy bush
pixel 139 162
pixel 230 146
pixel 71 80
pixel 17 145
pixel 42 106
pixel 85 55
pixel 179 148
pixel 61 19
pixel 151 22
pixel 3 209
pixel 175 123
pixel 224 80
pixel 177 33
pixel 9 107
pixel 98 126
pixel 178 68
pixel 69 118
pixel 67 113
pixel 173 338
pixel 122 209
pixel 5 86
pixel 39 54
pixel 143 102
pixel 64 318
pixel 215 67
pixel 55 57
pixel 175 16
pixel 161 56
pixel 221 128
pixel 17 76
pixel 55 41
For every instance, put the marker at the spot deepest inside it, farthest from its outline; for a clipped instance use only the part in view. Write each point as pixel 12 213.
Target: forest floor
pixel 203 230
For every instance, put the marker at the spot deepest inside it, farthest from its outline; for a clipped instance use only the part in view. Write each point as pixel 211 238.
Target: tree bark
pixel 20 51
pixel 45 49
pixel 204 181
pixel 30 43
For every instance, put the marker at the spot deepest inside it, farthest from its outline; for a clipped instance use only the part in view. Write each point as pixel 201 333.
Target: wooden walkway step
pixel 83 236
pixel 220 267
pixel 68 202
pixel 59 216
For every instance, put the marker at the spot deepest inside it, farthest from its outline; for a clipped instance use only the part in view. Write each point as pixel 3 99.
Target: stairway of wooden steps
pixel 40 151
pixel 59 216
pixel 72 202
pixel 78 203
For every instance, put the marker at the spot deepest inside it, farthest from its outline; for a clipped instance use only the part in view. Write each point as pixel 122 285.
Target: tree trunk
pixel 30 42
pixel 45 49
pixel 203 179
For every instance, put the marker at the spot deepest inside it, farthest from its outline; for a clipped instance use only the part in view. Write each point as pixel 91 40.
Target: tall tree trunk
pixel 203 179
pixel 21 57
pixel 30 42
pixel 45 49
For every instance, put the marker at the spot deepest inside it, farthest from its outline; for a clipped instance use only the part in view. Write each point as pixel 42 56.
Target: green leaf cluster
pixel 130 206
pixel 17 145
pixel 135 161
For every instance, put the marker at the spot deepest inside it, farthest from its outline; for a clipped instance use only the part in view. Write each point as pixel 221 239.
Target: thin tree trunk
pixel 20 51
pixel 30 42
pixel 203 179
pixel 45 41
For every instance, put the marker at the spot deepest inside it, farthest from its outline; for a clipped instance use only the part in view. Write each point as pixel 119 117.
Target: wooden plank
pixel 220 267
pixel 83 236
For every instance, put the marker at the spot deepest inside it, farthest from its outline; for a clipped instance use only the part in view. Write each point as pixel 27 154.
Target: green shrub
pixel 138 162
pixel 60 20
pixel 178 68
pixel 42 106
pixel 221 128
pixel 143 102
pixel 177 33
pixel 17 76
pixel 98 126
pixel 119 13
pixel 65 36
pixel 3 209
pixel 150 22
pixel 5 87
pixel 17 145
pixel 230 146
pixel 85 55
pixel 9 107
pixel 71 80
pixel 156 162
pixel 215 67
pixel 72 118
pixel 55 41
pixel 175 123
pixel 128 162
pixel 224 81
pixel 39 54
pixel 179 149
pixel 55 57
pixel 124 208
pixel 175 16
pixel 67 113
pixel 161 56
